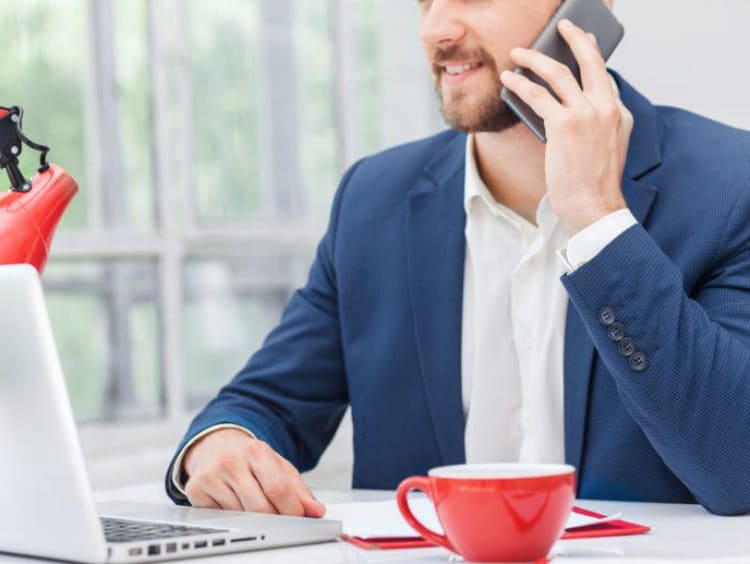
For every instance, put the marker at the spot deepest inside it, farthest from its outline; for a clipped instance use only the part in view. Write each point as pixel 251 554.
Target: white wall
pixel 689 53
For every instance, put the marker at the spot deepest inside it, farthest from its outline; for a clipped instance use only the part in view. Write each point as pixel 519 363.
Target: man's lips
pixel 457 72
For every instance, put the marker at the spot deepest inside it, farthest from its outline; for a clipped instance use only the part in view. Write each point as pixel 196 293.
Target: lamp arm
pixel 12 140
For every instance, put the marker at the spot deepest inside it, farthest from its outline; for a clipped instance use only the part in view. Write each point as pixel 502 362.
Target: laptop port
pixel 154 549
pixel 244 539
pixel 171 547
pixel 218 542
pixel 201 544
pixel 135 551
pixel 185 545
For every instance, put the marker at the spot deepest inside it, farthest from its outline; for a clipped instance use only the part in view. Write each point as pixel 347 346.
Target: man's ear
pixel 609 3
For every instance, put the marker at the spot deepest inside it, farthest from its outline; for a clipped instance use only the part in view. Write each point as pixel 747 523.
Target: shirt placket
pixel 526 307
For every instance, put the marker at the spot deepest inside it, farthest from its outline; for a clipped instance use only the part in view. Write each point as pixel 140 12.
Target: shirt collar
pixel 474 186
pixel 476 191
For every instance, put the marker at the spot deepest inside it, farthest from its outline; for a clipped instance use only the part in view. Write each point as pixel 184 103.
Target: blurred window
pixel 207 138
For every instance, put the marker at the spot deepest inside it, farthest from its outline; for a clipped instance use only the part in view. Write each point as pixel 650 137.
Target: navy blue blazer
pixel 378 325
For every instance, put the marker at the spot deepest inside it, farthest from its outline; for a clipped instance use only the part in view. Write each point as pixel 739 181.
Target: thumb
pixel 312 507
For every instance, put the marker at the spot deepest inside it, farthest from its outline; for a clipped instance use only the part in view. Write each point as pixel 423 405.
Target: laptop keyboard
pixel 122 530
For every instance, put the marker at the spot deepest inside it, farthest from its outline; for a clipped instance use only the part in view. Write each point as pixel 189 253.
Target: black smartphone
pixel 590 15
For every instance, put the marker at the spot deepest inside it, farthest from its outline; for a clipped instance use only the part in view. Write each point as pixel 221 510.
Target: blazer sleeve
pixel 292 393
pixel 686 381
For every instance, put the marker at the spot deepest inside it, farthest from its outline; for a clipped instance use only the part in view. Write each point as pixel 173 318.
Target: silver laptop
pixel 47 506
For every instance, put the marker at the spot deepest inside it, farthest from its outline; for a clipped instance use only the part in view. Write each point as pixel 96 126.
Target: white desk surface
pixel 685 533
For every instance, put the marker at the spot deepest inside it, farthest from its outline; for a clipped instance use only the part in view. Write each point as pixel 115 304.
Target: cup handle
pixel 422 484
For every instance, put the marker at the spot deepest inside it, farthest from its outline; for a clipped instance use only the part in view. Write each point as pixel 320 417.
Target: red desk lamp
pixel 31 209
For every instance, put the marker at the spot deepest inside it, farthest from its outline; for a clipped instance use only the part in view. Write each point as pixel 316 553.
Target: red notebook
pixel 608 529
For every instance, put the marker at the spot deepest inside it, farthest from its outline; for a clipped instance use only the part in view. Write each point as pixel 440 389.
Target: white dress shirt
pixel 513 329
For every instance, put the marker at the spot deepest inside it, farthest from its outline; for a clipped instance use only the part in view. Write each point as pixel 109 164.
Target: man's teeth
pixel 458 69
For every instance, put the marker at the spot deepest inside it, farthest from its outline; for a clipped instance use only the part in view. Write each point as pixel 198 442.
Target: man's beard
pixel 489 113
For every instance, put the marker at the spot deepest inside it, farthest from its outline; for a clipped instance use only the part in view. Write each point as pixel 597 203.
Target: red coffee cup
pixel 495 512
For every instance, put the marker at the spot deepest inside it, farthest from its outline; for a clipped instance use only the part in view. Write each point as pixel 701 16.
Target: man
pixel 440 309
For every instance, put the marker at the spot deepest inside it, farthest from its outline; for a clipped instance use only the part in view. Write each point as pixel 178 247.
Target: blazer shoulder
pixel 723 150
pixel 704 179
pixel 397 166
pixel 376 194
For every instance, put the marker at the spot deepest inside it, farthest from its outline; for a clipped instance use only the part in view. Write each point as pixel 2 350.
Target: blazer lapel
pixel 644 155
pixel 435 244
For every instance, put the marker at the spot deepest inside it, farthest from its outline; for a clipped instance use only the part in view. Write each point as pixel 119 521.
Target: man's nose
pixel 441 24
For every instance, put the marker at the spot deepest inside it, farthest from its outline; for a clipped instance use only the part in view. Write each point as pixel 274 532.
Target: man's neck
pixel 511 164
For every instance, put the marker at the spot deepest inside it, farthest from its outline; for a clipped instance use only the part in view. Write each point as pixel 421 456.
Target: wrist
pixel 586 216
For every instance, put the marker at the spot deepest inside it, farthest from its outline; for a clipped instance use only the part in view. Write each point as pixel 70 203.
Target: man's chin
pixel 488 116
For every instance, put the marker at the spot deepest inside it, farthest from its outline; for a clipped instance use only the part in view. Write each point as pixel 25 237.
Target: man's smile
pixel 455 73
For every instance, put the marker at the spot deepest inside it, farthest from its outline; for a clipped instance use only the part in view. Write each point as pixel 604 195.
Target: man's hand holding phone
pixel 228 469
pixel 588 129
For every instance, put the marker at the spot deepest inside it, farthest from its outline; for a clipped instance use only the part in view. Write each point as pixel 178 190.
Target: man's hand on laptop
pixel 228 469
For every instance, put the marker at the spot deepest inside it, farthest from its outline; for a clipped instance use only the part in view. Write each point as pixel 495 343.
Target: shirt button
pixel 638 361
pixel 607 316
pixel 626 346
pixel 616 332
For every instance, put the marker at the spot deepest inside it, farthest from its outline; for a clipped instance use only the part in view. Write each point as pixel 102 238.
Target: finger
pixel 274 482
pixel 198 491
pixel 312 506
pixel 224 495
pixel 626 119
pixel 203 500
pixel 594 77
pixel 554 73
pixel 237 474
pixel 536 96
pixel 250 494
